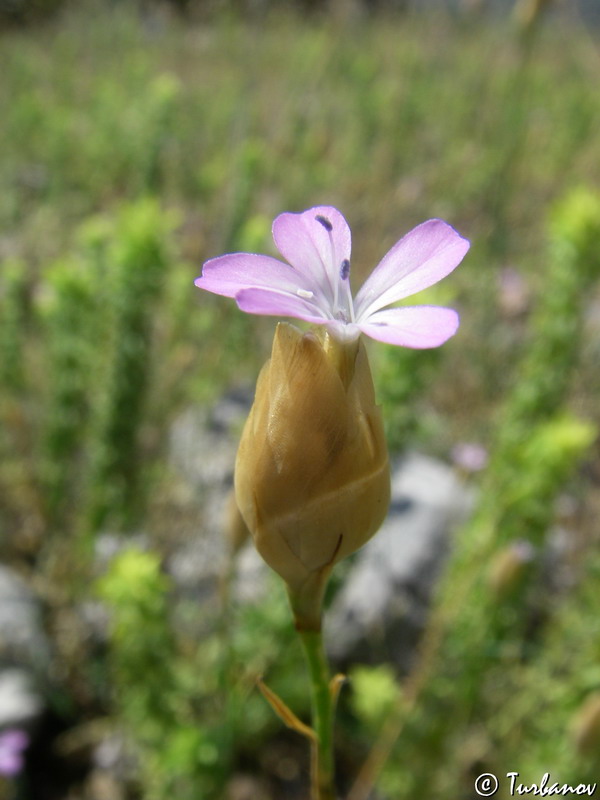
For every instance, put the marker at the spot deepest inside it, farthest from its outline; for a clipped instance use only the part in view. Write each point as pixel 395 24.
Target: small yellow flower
pixel 312 473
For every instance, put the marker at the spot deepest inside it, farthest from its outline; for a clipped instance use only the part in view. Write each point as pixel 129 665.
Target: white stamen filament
pixel 329 227
pixel 349 301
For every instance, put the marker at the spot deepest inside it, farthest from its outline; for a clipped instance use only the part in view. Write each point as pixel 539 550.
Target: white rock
pixel 20 702
pixel 383 603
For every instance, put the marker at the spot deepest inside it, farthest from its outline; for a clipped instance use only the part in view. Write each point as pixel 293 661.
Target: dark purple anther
pixel 345 269
pixel 324 222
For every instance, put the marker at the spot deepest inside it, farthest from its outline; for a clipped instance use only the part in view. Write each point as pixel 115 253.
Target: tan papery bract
pixel 312 473
pixel 585 726
pixel 236 530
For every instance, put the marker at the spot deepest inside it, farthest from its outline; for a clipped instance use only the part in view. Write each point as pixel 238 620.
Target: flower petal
pixel 227 275
pixel 279 304
pixel 11 764
pixel 315 242
pixel 13 739
pixel 12 744
pixel 421 258
pixel 412 326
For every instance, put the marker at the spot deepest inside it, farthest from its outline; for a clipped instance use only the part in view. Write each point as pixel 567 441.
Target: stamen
pixel 333 282
pixel 308 295
pixel 324 222
pixel 340 313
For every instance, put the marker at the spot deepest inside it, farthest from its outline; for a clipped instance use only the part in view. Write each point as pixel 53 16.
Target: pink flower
pixel 12 744
pixel 470 456
pixel 314 285
pixel 514 294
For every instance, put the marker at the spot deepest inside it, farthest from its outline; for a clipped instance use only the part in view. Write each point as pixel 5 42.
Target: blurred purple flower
pixel 314 285
pixel 514 293
pixel 523 550
pixel 470 456
pixel 13 742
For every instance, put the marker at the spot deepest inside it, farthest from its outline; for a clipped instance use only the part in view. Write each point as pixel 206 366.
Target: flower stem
pixel 322 766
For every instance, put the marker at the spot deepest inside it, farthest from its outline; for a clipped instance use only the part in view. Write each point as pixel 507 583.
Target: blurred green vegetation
pixel 137 145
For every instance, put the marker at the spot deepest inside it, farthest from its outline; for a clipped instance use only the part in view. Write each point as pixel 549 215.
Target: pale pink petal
pixel 470 456
pixel 317 252
pixel 12 744
pixel 279 304
pixel 228 275
pixel 412 326
pixel 13 739
pixel 421 258
pixel 11 763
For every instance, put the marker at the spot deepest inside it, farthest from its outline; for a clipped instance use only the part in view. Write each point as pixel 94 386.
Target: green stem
pixel 322 710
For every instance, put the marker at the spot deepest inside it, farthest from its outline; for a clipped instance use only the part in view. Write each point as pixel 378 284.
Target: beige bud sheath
pixel 312 473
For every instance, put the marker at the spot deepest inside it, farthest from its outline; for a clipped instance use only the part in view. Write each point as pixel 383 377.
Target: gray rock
pixel 196 565
pixel 21 704
pixel 202 449
pixel 116 755
pixel 382 606
pixel 24 652
pixel 202 444
pixel 23 641
pixel 251 582
pixel 202 452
